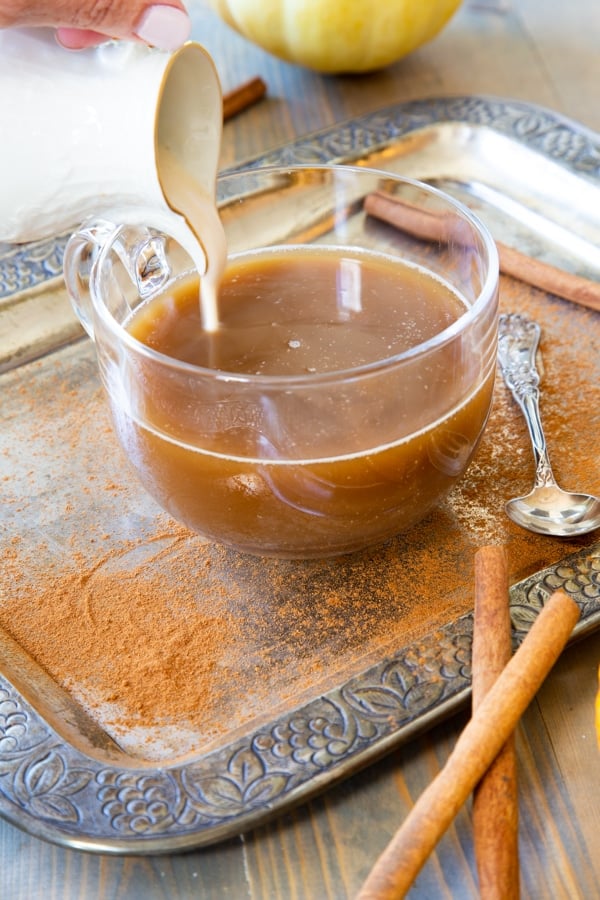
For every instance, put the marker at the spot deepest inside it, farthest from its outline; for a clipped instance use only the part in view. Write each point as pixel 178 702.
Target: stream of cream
pixel 186 196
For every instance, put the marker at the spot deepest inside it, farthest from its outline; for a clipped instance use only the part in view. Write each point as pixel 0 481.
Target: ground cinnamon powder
pixel 149 635
pixel 166 638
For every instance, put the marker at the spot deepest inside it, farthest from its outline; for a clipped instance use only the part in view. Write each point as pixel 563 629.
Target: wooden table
pixel 546 53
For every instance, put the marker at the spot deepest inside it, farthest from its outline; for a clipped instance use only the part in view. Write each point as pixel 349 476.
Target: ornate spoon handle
pixel 518 341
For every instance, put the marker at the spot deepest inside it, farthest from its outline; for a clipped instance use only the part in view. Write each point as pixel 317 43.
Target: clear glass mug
pixel 313 464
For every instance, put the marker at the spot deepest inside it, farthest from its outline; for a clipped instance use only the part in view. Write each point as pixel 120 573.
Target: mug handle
pixel 140 248
pixel 81 253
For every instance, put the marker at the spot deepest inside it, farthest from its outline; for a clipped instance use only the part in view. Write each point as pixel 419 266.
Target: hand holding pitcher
pixel 82 131
pixel 79 25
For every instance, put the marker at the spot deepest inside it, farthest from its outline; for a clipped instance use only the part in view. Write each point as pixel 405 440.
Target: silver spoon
pixel 547 509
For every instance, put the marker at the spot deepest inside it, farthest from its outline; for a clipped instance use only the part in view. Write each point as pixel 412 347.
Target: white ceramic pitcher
pixel 79 132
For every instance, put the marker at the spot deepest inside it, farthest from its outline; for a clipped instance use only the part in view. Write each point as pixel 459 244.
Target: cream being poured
pixel 186 196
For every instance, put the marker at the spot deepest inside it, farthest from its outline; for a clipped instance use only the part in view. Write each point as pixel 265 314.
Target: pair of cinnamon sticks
pixel 483 760
pixel 431 226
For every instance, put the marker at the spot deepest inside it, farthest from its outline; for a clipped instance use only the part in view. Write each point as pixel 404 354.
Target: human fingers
pixel 164 26
pixel 82 24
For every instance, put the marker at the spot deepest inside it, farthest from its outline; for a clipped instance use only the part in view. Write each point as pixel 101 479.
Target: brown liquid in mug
pixel 255 475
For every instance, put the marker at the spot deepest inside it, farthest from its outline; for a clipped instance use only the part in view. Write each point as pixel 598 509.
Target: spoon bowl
pixel 550 510
pixel 547 509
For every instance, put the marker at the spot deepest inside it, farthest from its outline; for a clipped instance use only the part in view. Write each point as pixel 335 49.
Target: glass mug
pixel 320 461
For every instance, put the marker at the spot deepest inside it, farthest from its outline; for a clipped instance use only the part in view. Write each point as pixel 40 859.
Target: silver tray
pixel 535 178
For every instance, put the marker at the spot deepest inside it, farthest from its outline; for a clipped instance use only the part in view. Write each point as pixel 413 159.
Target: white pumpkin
pixel 337 36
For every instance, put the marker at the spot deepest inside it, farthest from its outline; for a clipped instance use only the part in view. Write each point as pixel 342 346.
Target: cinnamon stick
pixel 548 278
pixel 495 801
pixel 433 226
pixel 492 723
pixel 243 96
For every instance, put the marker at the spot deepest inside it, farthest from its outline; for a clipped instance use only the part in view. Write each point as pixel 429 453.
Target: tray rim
pixel 53 791
pixel 28 268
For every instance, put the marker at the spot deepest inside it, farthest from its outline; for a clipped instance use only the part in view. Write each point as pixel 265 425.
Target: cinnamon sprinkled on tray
pixel 282 633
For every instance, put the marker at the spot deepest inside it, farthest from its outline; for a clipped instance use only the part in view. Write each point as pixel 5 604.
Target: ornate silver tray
pixel 534 177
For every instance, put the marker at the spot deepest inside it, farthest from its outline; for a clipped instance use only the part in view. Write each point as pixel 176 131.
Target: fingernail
pixel 165 27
